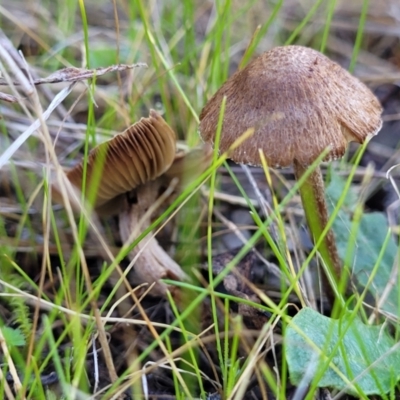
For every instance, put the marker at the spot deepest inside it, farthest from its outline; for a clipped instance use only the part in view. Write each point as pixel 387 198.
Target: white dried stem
pixel 151 261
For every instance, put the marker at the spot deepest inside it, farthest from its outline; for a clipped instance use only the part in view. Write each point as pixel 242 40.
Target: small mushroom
pixel 140 154
pixel 137 161
pixel 152 262
pixel 300 104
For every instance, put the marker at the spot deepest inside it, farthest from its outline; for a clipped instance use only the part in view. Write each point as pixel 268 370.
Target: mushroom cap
pixel 140 154
pixel 299 103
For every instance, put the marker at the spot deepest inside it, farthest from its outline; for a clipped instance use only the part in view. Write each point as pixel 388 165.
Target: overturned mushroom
pixel 140 154
pixel 136 217
pixel 135 161
pixel 300 104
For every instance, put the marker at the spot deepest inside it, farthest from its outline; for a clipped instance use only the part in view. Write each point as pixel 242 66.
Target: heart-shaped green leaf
pixel 342 354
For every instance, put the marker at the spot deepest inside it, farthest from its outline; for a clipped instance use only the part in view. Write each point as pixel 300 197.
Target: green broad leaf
pixel 335 190
pixel 341 354
pixel 367 247
pixel 13 337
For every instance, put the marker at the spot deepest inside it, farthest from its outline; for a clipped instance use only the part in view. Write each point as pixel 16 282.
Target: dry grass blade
pixel 9 98
pixel 72 74
pixel 15 63
pixel 10 363
pixel 7 389
pixel 36 125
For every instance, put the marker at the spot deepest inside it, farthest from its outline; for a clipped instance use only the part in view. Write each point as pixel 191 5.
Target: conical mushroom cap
pixel 299 102
pixel 138 155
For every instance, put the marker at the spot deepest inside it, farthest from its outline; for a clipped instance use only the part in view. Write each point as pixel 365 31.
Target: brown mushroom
pixel 300 104
pixel 140 161
pixel 140 154
pixel 135 217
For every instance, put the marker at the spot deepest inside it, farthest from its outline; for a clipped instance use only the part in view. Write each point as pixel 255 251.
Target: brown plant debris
pixel 73 74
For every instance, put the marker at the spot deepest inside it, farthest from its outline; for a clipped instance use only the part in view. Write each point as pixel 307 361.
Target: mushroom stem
pixel 312 194
pixel 152 262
